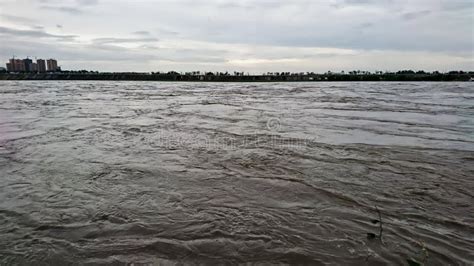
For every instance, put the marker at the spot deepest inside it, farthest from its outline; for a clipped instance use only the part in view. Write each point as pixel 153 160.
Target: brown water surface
pixel 148 172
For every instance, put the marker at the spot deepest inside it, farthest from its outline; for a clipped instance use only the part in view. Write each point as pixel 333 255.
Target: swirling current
pixel 100 172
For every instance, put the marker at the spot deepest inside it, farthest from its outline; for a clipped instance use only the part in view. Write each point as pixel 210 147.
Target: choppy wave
pixel 145 172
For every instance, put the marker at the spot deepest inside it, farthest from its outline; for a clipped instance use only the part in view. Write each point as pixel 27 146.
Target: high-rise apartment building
pixel 28 64
pixel 18 65
pixel 41 65
pixel 34 67
pixel 52 65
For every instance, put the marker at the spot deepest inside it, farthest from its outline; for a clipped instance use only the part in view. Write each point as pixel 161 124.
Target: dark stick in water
pixel 380 223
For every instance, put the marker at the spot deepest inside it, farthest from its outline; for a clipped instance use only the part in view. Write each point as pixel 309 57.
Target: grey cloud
pixel 191 55
pixel 415 15
pixel 141 32
pixel 231 5
pixel 75 8
pixel 197 59
pixel 458 5
pixel 365 25
pixel 70 10
pixel 441 27
pixel 101 52
pixel 72 52
pixel 201 58
pixel 167 32
pixel 34 34
pixel 149 47
pixel 17 19
pixel 65 9
pixel 123 40
pixel 366 2
pixel 273 4
pixel 333 28
pixel 347 3
pixel 357 2
pixel 87 2
pixel 106 47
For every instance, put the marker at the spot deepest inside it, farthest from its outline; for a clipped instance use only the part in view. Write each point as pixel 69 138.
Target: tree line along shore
pixel 407 75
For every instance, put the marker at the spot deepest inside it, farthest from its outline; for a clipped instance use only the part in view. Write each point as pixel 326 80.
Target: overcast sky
pixel 251 36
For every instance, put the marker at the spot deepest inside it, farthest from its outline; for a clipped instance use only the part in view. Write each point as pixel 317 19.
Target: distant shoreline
pixel 446 77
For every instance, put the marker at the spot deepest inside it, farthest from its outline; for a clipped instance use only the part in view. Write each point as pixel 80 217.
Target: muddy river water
pixel 262 173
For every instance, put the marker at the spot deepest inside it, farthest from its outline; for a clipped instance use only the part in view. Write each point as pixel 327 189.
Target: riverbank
pixel 212 77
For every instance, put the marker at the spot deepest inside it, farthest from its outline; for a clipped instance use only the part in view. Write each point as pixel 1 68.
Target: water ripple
pixel 206 173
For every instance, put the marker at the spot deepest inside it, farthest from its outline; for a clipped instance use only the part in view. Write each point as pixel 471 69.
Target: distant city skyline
pixel 27 64
pixel 249 36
